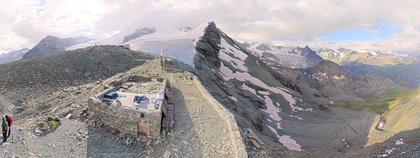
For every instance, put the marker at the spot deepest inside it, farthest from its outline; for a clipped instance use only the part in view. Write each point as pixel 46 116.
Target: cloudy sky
pixel 374 24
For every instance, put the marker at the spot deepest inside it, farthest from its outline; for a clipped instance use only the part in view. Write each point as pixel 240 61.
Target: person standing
pixel 9 120
pixel 5 126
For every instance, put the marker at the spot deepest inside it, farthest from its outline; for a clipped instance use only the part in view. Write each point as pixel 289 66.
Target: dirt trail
pixel 206 122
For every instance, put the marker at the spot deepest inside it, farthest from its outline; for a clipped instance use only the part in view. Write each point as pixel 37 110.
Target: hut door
pixel 143 131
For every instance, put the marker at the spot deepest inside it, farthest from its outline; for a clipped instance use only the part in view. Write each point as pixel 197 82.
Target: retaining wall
pixel 126 120
pixel 235 135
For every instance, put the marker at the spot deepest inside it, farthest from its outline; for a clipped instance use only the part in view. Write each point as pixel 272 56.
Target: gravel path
pixel 69 140
pixel 207 124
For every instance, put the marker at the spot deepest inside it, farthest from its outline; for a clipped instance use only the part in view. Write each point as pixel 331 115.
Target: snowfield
pixel 171 42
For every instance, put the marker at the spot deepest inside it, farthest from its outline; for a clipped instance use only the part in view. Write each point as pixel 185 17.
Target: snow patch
pixel 233 98
pixel 245 87
pixel 341 77
pixel 323 75
pixel 227 51
pixel 263 92
pixel 238 64
pixel 387 152
pixel 399 142
pixel 273 111
pixel 287 141
pixel 226 47
pixel 295 116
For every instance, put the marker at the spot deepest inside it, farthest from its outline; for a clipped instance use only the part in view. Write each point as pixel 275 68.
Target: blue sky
pixel 379 32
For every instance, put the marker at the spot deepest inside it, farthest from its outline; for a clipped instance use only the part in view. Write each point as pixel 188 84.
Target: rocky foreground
pixel 199 130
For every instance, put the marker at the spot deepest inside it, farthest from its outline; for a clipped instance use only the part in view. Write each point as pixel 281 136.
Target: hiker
pixel 9 120
pixel 5 126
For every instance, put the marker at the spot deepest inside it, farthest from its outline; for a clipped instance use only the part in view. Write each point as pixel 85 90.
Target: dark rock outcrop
pixel 311 55
pixel 138 33
pixel 208 48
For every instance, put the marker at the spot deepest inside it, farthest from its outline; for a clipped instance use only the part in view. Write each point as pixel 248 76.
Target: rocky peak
pixel 51 44
pixel 49 38
pixel 208 47
pixel 328 69
pixel 311 55
pixel 138 33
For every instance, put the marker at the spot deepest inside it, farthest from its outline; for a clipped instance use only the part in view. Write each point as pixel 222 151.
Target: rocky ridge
pixel 52 45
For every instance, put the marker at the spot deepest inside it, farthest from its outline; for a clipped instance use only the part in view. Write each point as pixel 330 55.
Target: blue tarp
pixel 112 95
pixel 107 101
pixel 139 99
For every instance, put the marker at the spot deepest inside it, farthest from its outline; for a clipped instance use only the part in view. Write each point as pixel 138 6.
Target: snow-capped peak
pixel 178 43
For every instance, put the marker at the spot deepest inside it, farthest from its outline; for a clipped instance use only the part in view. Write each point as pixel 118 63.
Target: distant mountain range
pixel 345 56
pixel 400 68
pixel 12 56
pixel 293 57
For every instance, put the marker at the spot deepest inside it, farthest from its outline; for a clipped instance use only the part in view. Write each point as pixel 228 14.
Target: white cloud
pixel 24 23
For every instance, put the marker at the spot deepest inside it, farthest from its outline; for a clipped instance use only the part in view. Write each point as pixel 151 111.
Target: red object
pixel 10 120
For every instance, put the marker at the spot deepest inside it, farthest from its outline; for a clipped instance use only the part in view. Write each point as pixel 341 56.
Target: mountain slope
pixel 12 56
pixel 226 64
pixel 407 74
pixel 402 116
pixel 338 84
pixel 30 78
pixel 270 100
pixel 52 45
